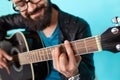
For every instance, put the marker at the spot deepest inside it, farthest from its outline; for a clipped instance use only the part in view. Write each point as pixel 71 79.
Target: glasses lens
pixel 22 5
pixel 19 9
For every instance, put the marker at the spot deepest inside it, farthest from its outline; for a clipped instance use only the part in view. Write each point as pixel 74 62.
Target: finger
pixel 7 69
pixel 63 62
pixel 78 59
pixel 2 62
pixel 55 57
pixel 1 67
pixel 5 55
pixel 4 65
pixel 70 53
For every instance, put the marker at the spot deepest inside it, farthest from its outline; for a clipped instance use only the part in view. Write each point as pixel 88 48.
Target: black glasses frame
pixel 26 2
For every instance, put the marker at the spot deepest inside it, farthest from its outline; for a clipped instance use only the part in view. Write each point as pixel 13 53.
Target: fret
pixel 98 38
pixel 31 55
pixel 46 52
pixel 27 58
pixel 85 46
pixel 49 54
pixel 76 47
pixel 92 46
pixel 34 57
pixel 42 55
pixel 24 58
pixel 73 45
pixel 45 58
pixel 80 47
pixel 39 54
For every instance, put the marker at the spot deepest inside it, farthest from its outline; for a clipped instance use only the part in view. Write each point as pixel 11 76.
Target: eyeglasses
pixel 21 6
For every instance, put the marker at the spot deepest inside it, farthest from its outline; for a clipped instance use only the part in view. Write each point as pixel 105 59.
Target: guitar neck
pixel 80 47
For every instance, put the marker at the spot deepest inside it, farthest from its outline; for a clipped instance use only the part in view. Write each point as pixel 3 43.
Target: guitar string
pixel 91 42
pixel 35 56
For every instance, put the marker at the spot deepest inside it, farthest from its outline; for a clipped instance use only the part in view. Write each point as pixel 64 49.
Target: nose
pixel 31 7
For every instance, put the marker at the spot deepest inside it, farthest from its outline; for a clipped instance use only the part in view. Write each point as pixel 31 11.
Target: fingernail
pixel 66 41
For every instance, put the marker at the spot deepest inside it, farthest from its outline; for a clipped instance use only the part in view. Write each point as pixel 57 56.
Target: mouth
pixel 39 9
pixel 36 13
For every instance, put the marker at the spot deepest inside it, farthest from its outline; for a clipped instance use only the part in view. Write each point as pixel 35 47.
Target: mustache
pixel 35 10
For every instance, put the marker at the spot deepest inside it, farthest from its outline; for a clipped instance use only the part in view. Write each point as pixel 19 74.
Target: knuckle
pixel 72 68
pixel 64 69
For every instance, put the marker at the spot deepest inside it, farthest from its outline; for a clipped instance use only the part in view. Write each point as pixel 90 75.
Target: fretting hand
pixel 66 63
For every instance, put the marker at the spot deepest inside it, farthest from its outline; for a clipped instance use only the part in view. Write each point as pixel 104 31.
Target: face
pixel 37 16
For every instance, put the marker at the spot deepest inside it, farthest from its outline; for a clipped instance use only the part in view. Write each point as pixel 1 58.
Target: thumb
pixel 78 59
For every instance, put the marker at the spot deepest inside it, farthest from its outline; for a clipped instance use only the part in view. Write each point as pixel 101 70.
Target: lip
pixel 37 14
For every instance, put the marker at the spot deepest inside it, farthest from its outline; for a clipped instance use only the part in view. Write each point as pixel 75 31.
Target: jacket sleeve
pixel 74 28
pixel 8 22
pixel 86 67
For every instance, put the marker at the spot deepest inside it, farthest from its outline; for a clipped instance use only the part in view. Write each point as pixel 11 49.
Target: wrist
pixel 76 77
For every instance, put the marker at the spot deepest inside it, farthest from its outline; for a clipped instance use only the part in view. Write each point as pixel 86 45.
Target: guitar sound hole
pixel 16 65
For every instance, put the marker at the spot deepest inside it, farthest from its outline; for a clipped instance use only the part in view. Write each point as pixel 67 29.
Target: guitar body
pixel 23 45
pixel 16 44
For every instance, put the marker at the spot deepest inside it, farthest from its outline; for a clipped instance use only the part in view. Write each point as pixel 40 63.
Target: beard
pixel 41 22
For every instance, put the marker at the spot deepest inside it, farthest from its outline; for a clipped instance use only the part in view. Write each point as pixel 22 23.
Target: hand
pixel 66 63
pixel 3 57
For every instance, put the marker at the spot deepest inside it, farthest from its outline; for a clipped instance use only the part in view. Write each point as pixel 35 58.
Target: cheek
pixel 24 14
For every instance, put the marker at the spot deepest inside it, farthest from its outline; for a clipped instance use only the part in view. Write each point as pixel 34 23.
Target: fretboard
pixel 80 47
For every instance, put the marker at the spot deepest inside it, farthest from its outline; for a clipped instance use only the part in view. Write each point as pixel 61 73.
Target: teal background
pixel 98 13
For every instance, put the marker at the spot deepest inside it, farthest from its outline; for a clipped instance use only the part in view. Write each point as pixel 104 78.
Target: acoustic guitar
pixel 20 44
